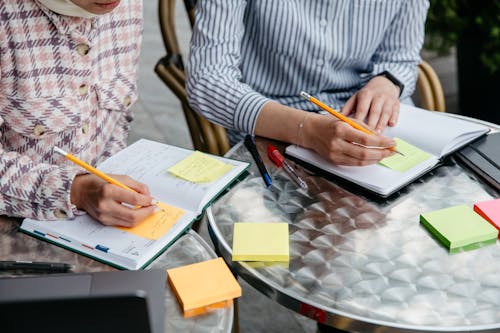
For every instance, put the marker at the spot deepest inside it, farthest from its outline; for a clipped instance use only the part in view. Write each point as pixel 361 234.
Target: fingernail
pixel 154 202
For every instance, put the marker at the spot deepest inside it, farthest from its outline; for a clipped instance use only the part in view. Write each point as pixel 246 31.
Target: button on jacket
pixel 63 82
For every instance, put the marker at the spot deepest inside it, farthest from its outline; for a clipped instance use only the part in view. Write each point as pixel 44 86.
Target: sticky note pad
pixel 459 228
pixel 203 286
pixel 412 157
pixel 490 211
pixel 200 168
pixel 157 224
pixel 261 242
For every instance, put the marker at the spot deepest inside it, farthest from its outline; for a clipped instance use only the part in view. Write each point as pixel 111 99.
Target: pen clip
pixel 275 155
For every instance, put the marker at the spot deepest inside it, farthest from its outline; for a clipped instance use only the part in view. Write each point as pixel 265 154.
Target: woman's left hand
pixel 377 104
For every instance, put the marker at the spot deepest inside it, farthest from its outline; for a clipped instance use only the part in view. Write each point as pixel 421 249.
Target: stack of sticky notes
pixel 203 286
pixel 489 210
pixel 459 228
pixel 261 242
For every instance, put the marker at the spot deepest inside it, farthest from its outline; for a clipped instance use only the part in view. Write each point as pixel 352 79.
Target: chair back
pixel 429 88
pixel 206 136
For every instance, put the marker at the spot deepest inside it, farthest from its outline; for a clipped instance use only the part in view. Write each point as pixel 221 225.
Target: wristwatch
pixel 393 79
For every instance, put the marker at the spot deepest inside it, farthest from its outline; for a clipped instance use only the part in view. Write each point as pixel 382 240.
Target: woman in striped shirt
pixel 249 61
pixel 68 72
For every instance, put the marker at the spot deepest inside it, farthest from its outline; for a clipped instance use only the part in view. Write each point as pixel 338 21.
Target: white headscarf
pixel 66 7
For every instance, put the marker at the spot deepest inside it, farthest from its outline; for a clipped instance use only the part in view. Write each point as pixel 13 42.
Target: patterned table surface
pixel 188 249
pixel 365 264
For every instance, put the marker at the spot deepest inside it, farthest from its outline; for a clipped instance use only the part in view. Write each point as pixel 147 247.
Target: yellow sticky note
pixel 412 156
pixel 203 286
pixel 261 242
pixel 156 225
pixel 200 168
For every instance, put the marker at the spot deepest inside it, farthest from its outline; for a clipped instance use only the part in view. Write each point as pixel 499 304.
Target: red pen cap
pixel 275 155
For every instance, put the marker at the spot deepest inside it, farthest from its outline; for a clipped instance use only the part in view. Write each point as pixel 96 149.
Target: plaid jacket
pixel 66 82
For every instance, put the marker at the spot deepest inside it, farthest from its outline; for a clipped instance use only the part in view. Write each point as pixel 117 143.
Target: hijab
pixel 66 7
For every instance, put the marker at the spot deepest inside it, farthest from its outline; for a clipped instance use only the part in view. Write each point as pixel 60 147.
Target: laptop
pixel 121 301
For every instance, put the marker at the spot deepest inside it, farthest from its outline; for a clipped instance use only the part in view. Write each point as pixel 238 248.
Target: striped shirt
pixel 244 53
pixel 67 82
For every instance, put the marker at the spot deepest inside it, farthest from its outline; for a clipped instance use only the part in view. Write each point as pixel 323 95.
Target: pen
pixel 250 144
pixel 342 117
pixel 96 172
pixel 33 265
pixel 279 160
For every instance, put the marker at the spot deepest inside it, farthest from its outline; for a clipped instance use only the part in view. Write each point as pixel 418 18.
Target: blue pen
pixel 250 144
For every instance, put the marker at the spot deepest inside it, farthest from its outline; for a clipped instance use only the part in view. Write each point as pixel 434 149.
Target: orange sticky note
pixel 490 211
pixel 156 225
pixel 203 286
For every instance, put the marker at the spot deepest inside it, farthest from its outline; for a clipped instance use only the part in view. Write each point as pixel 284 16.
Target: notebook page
pixel 374 177
pixel 433 132
pixel 86 235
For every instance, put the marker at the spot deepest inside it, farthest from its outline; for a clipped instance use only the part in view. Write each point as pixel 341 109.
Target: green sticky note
pixel 459 228
pixel 412 156
pixel 200 168
pixel 261 242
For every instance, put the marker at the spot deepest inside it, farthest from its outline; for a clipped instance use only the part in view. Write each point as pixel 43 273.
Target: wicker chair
pixel 211 138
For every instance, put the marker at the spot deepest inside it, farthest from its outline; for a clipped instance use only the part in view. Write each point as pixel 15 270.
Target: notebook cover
pixel 483 157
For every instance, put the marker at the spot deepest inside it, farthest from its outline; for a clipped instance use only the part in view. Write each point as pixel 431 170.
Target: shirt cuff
pixel 247 111
pixel 66 209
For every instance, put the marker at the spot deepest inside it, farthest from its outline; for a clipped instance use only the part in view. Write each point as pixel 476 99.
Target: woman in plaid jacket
pixel 68 71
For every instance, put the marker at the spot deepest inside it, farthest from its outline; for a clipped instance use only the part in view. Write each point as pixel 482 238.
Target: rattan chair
pixel 429 88
pixel 206 136
pixel 211 138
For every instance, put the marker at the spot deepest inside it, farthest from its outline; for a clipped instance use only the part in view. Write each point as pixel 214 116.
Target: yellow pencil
pixel 93 170
pixel 341 117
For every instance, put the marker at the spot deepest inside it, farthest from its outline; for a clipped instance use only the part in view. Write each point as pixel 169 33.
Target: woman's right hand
pixel 341 143
pixel 103 200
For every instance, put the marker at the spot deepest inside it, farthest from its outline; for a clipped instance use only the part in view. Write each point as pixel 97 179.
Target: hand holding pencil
pixel 101 196
pixel 344 118
pixel 345 142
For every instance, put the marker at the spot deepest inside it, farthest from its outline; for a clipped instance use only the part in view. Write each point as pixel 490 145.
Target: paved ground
pixel 159 117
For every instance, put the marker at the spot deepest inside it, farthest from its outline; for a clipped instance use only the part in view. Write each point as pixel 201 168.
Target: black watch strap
pixel 393 79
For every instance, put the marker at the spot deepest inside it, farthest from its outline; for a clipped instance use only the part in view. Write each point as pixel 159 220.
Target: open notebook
pixel 183 202
pixel 433 132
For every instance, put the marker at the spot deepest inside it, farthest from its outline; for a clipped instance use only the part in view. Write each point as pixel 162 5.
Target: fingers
pixel 121 195
pixel 348 107
pixel 376 113
pixel 111 204
pixel 363 101
pixel 120 215
pixel 350 134
pixel 132 183
pixel 110 209
pixel 377 103
pixel 395 113
pixel 342 150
